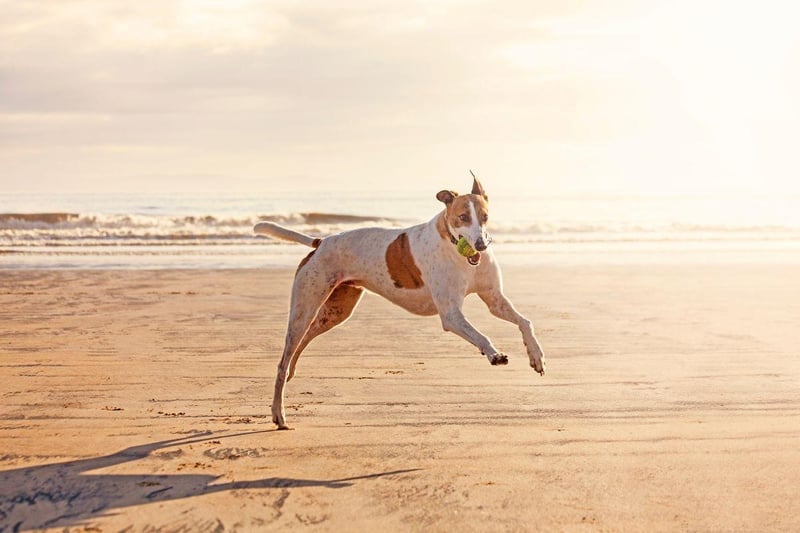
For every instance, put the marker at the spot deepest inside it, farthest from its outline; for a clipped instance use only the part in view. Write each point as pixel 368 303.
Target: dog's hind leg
pixel 309 292
pixel 335 311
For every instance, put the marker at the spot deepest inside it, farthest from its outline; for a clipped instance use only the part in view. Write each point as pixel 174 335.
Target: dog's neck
pixel 448 229
pixel 443 228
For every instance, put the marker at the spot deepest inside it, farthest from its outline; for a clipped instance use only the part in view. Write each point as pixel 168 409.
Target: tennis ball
pixel 464 248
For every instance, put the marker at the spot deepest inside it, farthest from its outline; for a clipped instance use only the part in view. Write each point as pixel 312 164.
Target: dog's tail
pixel 278 231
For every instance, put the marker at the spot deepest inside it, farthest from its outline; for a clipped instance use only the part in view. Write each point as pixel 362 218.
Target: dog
pixel 427 269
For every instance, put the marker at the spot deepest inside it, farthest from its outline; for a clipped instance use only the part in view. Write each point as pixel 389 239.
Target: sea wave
pixel 87 229
pixel 11 221
pixel 74 229
pixel 15 219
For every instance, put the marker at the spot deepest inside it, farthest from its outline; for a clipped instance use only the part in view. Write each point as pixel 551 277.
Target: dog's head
pixel 467 214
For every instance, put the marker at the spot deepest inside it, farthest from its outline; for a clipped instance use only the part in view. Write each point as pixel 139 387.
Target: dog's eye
pixel 485 218
pixel 463 218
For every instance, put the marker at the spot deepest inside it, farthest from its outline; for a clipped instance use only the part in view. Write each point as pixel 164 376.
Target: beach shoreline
pixel 140 398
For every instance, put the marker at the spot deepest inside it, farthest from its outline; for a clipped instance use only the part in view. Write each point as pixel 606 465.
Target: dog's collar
pixel 453 240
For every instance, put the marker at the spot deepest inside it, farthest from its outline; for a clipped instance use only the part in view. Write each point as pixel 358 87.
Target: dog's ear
pixel 446 197
pixel 477 188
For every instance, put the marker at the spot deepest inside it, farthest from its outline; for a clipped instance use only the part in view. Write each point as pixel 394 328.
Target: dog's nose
pixel 480 244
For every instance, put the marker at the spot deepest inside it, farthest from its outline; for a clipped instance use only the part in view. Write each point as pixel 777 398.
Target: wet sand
pixel 138 399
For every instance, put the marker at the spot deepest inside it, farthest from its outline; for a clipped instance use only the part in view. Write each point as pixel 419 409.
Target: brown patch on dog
pixel 481 208
pixel 337 307
pixel 441 227
pixel 305 260
pixel 400 262
pixel 314 244
pixel 460 208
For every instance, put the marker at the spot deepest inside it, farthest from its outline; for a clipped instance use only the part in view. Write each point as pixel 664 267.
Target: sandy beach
pixel 137 400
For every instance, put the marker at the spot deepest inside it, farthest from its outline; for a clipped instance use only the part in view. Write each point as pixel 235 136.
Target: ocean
pixel 156 231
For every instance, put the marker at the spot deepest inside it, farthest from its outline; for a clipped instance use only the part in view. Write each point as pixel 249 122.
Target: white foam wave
pixel 72 229
pixel 69 229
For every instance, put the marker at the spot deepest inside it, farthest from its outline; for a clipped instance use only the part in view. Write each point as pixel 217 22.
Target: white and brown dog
pixel 423 269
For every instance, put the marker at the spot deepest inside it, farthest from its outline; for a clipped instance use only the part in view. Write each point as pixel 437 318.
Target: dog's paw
pixel 281 424
pixel 280 421
pixel 498 359
pixel 538 365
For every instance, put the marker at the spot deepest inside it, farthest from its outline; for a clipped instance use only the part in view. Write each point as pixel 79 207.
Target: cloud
pixel 301 71
pixel 92 25
pixel 314 69
pixel 243 88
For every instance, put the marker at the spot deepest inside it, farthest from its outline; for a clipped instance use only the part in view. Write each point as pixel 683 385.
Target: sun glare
pixel 686 95
pixel 732 65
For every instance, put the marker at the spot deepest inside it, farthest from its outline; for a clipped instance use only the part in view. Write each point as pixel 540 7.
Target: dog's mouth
pixel 473 256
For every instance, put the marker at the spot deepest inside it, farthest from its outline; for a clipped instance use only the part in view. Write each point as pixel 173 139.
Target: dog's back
pixel 390 262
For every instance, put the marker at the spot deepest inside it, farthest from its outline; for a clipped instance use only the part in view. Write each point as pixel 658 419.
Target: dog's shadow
pixel 64 494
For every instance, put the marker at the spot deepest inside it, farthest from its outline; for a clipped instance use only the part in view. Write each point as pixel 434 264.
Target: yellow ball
pixel 464 248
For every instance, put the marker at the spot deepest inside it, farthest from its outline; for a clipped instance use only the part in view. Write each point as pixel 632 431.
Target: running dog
pixel 427 269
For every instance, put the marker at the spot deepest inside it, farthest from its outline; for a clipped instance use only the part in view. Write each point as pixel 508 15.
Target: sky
pixel 537 96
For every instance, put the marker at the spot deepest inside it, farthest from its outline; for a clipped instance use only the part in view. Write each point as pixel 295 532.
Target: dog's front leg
pixel 453 320
pixel 502 308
